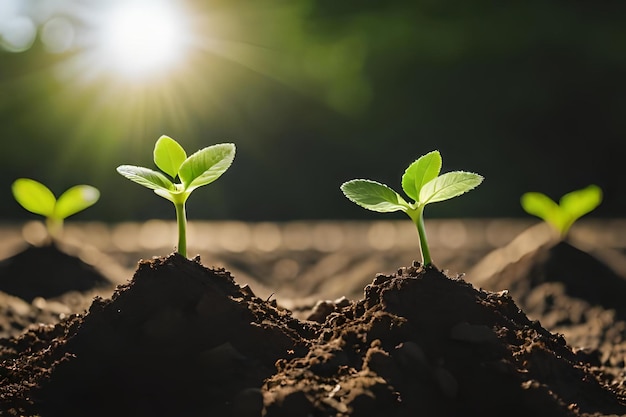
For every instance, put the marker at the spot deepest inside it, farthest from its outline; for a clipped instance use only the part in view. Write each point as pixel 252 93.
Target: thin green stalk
pixel 418 218
pixel 421 181
pixel 181 219
pixel 201 168
pixel 421 230
pixel 54 227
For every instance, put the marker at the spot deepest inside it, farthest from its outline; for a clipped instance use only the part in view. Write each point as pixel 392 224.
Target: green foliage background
pixel 529 94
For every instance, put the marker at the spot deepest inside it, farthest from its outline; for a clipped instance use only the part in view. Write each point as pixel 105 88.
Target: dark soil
pixel 42 284
pixel 580 275
pixel 181 339
pixel 47 271
pixel 571 292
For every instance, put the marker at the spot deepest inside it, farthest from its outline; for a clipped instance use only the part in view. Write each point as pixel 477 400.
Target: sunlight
pixel 142 37
pixel 133 69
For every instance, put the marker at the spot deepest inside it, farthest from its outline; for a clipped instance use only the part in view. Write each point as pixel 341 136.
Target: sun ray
pixel 141 37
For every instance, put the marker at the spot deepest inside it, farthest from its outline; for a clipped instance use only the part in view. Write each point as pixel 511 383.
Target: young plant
pixel 421 182
pixel 201 168
pixel 562 215
pixel 37 198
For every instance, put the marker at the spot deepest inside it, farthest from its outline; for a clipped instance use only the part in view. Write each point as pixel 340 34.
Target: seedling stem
pixel 421 181
pixel 201 168
pixel 181 219
pixel 418 218
pixel 39 199
pixel 563 214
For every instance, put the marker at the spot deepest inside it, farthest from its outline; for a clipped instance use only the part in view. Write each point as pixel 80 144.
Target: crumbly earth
pixel 186 340
pixel 572 293
pixel 43 284
pixel 28 274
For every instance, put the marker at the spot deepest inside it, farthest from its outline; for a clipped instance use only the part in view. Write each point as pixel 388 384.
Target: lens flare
pixel 140 38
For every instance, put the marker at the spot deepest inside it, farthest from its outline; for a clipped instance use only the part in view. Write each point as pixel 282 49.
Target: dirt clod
pixel 184 339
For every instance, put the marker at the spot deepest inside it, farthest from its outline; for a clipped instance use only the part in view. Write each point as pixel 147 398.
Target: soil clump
pixel 184 339
pixel 571 292
pixel 47 271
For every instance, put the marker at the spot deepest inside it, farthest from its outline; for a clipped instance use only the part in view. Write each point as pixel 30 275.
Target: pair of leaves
pixel 37 198
pixel 562 215
pixel 201 168
pixel 421 182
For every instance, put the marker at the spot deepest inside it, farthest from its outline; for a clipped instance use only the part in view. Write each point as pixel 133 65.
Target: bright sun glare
pixel 142 37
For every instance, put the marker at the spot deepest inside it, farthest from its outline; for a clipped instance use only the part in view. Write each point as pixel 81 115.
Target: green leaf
pixel 146 177
pixel 75 199
pixel 206 165
pixel 423 170
pixel 448 185
pixel 169 155
pixel 580 202
pixel 421 181
pixel 570 208
pixel 540 205
pixel 34 196
pixel 374 196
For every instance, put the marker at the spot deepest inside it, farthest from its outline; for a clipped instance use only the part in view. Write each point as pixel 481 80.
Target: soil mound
pixel 183 339
pixel 47 271
pixel 422 343
pixel 582 276
pixel 572 292
pixel 179 339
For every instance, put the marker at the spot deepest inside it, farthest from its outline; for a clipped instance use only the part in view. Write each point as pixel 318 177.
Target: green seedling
pixel 37 198
pixel 201 168
pixel 562 215
pixel 421 182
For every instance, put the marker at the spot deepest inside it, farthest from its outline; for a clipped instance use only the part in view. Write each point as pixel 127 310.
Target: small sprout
pixel 570 207
pixel 37 198
pixel 421 181
pixel 201 168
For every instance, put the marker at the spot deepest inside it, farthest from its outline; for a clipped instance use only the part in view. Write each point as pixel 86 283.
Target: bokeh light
pixel 17 29
pixel 58 35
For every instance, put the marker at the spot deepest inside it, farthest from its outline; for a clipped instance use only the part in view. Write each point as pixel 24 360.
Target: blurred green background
pixel 530 94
